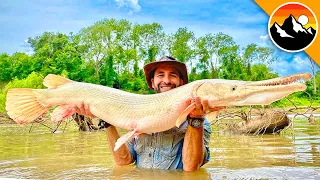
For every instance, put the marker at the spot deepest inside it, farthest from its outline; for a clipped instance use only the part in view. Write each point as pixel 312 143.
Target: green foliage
pixel 5 68
pixel 296 99
pixel 148 39
pixel 33 80
pixel 261 72
pixel 179 44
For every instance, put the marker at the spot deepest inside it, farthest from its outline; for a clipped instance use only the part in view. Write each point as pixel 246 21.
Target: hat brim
pixel 149 70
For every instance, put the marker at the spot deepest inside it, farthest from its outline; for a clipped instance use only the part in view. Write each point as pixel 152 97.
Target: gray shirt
pixel 163 150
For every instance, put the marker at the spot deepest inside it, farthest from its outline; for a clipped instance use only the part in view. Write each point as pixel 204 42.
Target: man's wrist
pixel 196 122
pixel 103 125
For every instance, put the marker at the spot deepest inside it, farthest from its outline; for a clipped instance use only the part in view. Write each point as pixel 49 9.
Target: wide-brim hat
pixel 151 67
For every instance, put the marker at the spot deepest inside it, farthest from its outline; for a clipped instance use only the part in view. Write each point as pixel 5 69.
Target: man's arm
pixel 122 156
pixel 193 150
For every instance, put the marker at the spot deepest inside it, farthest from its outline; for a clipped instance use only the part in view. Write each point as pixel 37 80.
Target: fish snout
pixel 307 76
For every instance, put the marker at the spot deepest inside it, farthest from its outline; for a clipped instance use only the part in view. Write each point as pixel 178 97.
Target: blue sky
pixel 244 20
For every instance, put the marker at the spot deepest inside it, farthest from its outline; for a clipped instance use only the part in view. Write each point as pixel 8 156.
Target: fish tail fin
pixel 22 105
pixel 62 112
pixel 53 81
pixel 124 138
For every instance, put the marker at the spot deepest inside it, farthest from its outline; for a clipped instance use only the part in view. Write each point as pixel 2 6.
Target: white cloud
pixel 300 64
pixel 282 67
pixel 297 65
pixel 133 4
pixel 265 41
pixel 264 37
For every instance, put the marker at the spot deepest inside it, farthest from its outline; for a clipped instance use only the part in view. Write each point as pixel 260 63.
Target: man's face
pixel 166 78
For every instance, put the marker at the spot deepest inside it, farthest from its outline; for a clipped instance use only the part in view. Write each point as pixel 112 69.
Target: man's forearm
pixel 193 149
pixel 122 156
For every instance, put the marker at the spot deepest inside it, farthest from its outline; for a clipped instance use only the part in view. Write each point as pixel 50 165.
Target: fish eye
pixel 234 88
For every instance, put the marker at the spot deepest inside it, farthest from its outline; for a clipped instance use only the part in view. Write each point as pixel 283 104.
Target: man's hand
pixel 84 110
pixel 202 109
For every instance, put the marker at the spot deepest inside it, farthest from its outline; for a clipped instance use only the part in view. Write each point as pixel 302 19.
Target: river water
pixel 39 154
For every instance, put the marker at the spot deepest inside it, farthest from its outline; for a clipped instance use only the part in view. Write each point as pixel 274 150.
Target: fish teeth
pixel 300 81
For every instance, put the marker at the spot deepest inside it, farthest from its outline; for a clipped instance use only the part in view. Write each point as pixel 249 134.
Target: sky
pixel 244 20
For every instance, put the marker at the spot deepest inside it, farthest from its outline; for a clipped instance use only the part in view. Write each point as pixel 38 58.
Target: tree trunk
pixel 84 123
pixel 213 70
pixel 314 76
pixel 314 85
pixel 268 122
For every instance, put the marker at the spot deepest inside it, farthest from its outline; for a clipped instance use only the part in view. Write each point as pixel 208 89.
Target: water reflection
pixel 245 151
pixel 278 172
pixel 73 155
pixel 138 173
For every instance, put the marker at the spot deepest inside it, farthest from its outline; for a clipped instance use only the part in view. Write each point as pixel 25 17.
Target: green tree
pixel 22 65
pixel 5 68
pixel 256 54
pixel 261 72
pixel 101 39
pixel 149 40
pixel 181 45
pixel 55 53
pixel 213 50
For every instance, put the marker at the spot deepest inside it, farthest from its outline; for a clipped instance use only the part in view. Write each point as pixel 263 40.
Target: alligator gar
pixel 143 113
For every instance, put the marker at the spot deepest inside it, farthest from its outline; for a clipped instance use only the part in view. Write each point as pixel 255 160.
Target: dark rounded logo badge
pixel 293 27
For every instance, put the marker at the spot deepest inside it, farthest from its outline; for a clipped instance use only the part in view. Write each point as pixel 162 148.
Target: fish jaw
pixel 260 99
pixel 283 80
pixel 240 93
pixel 265 95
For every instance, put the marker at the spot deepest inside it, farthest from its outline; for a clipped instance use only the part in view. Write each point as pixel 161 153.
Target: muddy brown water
pixel 39 154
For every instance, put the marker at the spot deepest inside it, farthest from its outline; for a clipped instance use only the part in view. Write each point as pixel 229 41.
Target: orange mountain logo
pixel 293 27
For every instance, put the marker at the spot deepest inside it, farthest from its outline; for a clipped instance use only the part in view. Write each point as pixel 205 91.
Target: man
pixel 185 147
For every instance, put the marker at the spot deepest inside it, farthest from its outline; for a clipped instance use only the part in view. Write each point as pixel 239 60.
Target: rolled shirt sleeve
pixel 206 138
pixel 131 149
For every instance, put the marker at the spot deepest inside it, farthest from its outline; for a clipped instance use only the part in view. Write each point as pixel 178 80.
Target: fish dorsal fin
pixel 185 113
pixel 53 81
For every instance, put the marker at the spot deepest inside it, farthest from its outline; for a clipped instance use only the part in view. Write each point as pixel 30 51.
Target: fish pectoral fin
pixel 212 116
pixel 184 114
pixel 124 138
pixel 53 81
pixel 62 112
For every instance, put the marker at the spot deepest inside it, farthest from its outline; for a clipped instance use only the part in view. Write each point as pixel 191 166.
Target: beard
pixel 163 87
